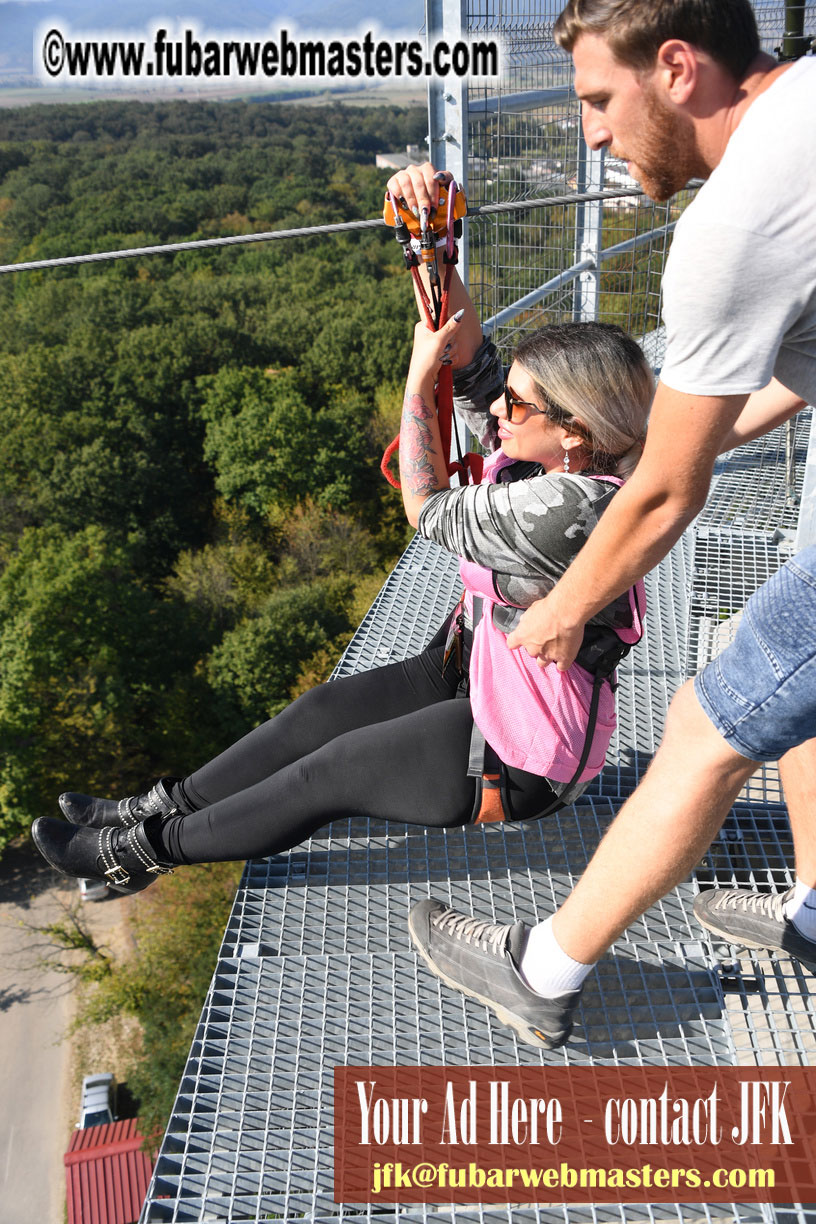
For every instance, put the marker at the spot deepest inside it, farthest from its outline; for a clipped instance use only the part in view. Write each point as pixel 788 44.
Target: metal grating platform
pixel 749 491
pixel 316 967
pixel 420 591
pixel 252 1132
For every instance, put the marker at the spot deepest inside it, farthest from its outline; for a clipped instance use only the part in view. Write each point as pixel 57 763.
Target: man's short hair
pixel 634 30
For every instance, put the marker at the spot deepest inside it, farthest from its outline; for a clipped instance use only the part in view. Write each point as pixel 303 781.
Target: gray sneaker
pixel 753 920
pixel 482 960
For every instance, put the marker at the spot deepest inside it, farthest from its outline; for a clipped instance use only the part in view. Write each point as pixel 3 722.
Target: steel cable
pixel 307 231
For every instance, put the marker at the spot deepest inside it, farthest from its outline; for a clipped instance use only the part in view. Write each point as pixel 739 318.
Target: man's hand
pixel 645 518
pixel 543 636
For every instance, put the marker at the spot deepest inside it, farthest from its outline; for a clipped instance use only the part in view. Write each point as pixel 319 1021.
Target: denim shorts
pixel 760 693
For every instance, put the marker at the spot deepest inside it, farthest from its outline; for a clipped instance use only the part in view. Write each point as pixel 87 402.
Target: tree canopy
pixel 189 495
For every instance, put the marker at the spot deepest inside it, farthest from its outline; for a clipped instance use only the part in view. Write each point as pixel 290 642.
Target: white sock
pixel 801 909
pixel 546 967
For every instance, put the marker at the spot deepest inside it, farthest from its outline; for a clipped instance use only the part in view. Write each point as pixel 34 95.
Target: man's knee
pixel 692 737
pixel 686 716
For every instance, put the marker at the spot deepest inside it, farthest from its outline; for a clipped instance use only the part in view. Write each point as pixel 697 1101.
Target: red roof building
pixel 106 1174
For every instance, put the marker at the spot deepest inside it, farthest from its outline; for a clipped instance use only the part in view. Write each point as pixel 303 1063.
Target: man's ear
pixel 677 70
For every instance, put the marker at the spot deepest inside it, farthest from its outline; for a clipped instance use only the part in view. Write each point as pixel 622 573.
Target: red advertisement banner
pixel 575 1134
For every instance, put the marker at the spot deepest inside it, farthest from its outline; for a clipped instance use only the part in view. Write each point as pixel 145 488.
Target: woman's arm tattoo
pixel 417 447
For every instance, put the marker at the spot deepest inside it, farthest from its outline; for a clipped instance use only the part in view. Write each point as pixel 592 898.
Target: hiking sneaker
pixel 482 960
pixel 753 920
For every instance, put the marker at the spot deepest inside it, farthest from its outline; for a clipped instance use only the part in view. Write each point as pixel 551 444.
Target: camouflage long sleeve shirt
pixel 528 526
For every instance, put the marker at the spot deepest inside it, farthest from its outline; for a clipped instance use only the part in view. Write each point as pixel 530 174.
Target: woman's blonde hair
pixel 594 379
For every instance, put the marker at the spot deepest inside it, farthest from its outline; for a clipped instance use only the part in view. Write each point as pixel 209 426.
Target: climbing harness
pixel 421 240
pixel 602 650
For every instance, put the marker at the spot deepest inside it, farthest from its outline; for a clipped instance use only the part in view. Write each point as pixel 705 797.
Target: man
pixel 681 90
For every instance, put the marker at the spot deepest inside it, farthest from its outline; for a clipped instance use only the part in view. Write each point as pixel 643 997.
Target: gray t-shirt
pixel 740 282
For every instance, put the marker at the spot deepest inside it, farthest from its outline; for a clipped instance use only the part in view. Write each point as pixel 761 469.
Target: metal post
pixel 448 104
pixel 794 41
pixel 790 463
pixel 806 527
pixel 588 233
pixel 448 132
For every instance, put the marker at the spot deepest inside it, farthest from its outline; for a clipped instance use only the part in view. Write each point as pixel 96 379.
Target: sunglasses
pixel 552 411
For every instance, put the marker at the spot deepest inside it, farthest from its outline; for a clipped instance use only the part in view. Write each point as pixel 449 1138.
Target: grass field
pixel 386 94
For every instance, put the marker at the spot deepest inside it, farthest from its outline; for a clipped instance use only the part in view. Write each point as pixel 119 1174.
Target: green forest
pixel 192 517
pixel 192 520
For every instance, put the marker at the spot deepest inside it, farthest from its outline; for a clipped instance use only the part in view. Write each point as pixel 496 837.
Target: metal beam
pixel 447 97
pixel 591 263
pixel 806 528
pixel 531 99
pixel 448 131
pixel 588 233
pixel 795 42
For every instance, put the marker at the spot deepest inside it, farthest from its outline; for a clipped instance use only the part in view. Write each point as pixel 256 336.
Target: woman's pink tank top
pixel 534 718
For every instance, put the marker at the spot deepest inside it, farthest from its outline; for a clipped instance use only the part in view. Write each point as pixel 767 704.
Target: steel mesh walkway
pixel 317 970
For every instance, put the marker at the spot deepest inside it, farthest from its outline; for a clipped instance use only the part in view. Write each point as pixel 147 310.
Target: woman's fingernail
pixel 440 177
pixel 458 315
pixel 415 211
pixel 446 348
pixel 403 202
pixel 446 361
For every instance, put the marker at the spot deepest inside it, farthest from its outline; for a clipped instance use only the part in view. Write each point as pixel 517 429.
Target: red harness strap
pixel 469 465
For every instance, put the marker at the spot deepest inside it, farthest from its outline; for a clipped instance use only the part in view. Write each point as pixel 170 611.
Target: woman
pixel 394 742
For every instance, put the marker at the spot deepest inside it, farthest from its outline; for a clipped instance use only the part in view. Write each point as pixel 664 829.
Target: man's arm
pixel 666 492
pixel 763 411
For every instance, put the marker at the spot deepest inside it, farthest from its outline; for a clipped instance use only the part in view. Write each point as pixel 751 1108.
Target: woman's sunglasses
pixel 552 411
pixel 512 401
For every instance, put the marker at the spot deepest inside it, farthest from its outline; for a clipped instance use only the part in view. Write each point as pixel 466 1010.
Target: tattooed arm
pixel 423 469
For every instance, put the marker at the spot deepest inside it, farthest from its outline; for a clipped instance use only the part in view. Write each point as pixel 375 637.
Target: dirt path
pixel 38 1073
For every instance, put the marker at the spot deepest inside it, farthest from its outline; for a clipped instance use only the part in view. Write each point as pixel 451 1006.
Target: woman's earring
pixel 566 460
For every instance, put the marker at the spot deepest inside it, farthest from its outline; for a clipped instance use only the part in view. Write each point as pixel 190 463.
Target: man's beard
pixel 668 156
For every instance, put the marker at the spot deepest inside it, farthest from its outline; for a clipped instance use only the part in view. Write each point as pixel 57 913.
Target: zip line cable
pixel 336 228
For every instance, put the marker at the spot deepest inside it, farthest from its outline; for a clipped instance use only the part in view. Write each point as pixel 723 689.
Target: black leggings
pixel 391 743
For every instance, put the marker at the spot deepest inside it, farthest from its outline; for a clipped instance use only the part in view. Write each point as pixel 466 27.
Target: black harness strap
pixel 490 804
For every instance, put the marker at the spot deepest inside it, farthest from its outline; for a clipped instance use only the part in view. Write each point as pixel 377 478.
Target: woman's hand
pixel 417 187
pixel 433 349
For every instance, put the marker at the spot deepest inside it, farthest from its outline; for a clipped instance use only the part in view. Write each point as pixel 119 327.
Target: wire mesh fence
pixel 525 142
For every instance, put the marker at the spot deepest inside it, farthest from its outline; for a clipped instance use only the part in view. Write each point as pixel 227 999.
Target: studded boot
pixel 122 858
pixel 94 813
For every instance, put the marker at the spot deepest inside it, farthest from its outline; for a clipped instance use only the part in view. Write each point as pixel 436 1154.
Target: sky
pixel 19 19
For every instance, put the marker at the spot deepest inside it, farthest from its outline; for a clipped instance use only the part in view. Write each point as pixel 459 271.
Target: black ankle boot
pixel 122 858
pixel 94 813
